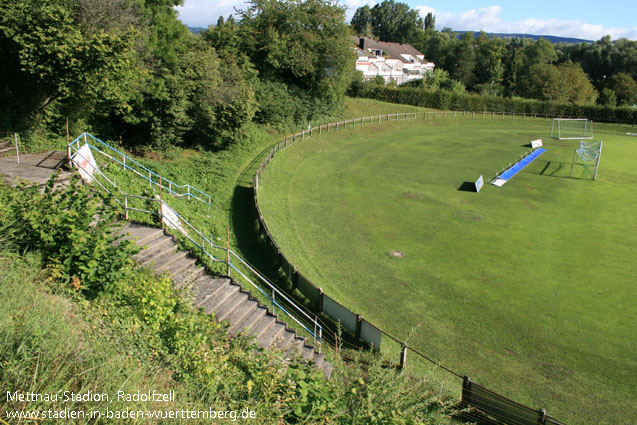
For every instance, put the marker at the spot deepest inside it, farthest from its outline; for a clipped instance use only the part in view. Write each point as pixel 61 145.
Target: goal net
pixel 588 154
pixel 572 128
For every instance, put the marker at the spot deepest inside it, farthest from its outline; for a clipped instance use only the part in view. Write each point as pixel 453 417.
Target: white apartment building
pixel 393 61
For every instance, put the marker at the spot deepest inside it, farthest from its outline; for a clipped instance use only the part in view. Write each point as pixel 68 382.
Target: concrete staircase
pixel 220 295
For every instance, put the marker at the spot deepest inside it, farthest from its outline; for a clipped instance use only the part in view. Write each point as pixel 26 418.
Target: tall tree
pixel 437 46
pixel 430 22
pixel 302 43
pixel 395 22
pixel 540 52
pixel 566 83
pixel 362 21
pixel 489 56
pixel 463 60
pixel 625 88
pixel 51 68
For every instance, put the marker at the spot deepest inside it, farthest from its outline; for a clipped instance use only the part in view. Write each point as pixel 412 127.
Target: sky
pixel 589 20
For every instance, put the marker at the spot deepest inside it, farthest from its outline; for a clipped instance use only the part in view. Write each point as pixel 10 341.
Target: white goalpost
pixel 588 152
pixel 572 128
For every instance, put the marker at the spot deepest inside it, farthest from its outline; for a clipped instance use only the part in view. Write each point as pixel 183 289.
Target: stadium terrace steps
pixel 220 296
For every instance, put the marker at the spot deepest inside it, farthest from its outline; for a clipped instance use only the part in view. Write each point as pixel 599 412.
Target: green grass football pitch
pixel 528 288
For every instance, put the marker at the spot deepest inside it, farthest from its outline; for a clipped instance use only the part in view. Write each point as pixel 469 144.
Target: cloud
pixel 488 20
pixel 202 13
pixel 423 10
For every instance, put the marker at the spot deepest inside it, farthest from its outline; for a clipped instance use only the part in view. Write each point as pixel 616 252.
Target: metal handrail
pixel 203 249
pixel 126 160
pixel 15 144
pixel 318 328
pixel 268 283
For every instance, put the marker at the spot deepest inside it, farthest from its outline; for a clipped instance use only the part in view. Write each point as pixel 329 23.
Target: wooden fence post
pixel 320 300
pixel 359 322
pixel 295 278
pixel 465 399
pixel 403 356
pixel 541 417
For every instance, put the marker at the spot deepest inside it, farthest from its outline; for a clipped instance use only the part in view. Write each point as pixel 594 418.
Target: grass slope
pixel 528 288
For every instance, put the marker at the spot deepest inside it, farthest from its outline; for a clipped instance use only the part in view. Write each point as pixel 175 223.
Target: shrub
pixel 74 229
pixel 441 99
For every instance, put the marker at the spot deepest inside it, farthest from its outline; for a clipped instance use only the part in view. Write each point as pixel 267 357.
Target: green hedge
pixel 446 100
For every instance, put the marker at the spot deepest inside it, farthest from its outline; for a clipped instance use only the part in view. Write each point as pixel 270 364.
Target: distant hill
pixel 552 38
pixel 196 30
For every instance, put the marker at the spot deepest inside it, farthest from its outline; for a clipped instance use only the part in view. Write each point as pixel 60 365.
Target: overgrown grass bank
pixel 79 320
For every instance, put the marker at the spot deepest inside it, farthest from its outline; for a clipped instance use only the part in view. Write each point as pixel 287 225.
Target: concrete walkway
pixel 34 168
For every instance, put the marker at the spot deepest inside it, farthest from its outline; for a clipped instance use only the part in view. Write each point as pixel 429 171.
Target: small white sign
pixel 479 184
pixel 85 163
pixel 169 218
pixel 536 143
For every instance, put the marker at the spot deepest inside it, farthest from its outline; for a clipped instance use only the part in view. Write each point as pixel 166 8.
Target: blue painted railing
pixel 135 167
pixel 204 245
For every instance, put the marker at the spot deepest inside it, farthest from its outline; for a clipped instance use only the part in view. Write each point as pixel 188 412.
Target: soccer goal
pixel 588 152
pixel 572 128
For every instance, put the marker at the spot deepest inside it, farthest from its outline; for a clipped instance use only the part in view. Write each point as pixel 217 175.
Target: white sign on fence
pixel 85 163
pixel 479 184
pixel 170 219
pixel 536 143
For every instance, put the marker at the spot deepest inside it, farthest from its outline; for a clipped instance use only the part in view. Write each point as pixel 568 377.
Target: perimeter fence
pixel 478 403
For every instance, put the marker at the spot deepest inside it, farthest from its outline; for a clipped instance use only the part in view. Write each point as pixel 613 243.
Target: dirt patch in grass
pixel 511 352
pixel 414 195
pixel 468 215
pixel 530 205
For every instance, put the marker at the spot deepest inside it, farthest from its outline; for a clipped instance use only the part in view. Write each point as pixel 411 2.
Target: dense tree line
pixel 602 72
pixel 301 50
pixel 129 69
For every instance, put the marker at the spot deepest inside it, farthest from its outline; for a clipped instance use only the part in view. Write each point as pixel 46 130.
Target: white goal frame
pixel 588 153
pixel 559 132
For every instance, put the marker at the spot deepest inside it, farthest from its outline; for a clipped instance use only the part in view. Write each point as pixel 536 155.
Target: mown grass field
pixel 528 288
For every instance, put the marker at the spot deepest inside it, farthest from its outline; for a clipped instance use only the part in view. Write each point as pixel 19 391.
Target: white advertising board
pixel 170 219
pixel 536 143
pixel 479 184
pixel 85 163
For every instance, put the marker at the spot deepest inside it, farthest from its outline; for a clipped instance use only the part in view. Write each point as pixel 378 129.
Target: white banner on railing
pixel 85 163
pixel 170 219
